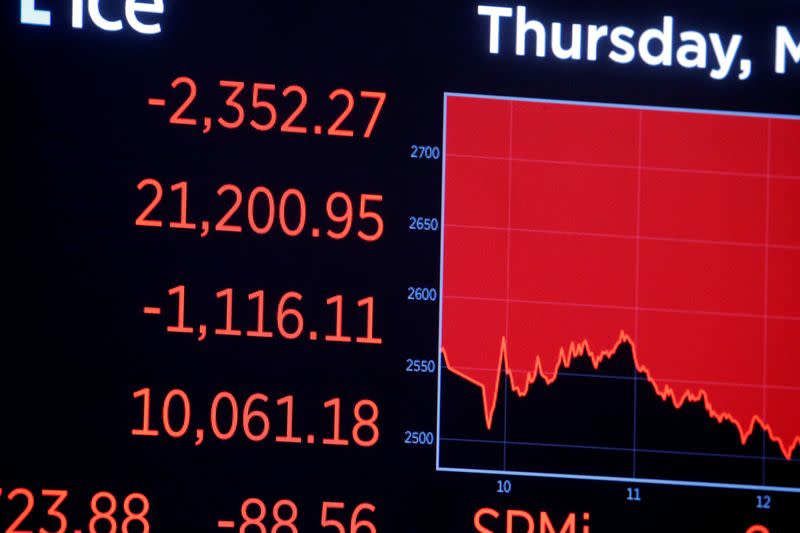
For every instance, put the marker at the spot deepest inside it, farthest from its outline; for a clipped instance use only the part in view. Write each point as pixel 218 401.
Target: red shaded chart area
pixel 571 228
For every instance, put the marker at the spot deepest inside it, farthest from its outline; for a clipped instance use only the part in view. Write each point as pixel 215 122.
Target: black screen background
pixel 80 137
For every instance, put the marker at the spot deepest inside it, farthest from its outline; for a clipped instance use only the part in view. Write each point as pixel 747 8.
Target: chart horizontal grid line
pixel 611 105
pixel 621 307
pixel 763 175
pixel 622 479
pixel 567 373
pixel 632 237
pixel 616 449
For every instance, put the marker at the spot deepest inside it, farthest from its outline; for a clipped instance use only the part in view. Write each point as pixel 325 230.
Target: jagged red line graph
pixel 570 226
pixel 565 358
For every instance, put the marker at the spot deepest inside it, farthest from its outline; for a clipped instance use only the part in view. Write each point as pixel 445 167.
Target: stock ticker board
pixel 361 267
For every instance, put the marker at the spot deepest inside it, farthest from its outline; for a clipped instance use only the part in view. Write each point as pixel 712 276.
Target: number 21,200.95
pixel 268 212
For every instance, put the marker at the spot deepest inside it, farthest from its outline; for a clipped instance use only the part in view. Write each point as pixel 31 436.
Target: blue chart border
pixel 552 475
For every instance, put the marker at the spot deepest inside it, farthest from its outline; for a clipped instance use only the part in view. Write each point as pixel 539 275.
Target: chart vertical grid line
pixel 640 137
pixel 441 284
pixel 766 303
pixel 507 380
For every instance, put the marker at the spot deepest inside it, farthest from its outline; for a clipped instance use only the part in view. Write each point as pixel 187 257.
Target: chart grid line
pixel 624 449
pixel 621 479
pixel 654 238
pixel 636 301
pixel 506 380
pixel 623 307
pixel 766 302
pixel 567 373
pixel 441 285
pixel 762 175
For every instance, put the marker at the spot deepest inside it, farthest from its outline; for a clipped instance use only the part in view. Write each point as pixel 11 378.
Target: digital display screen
pixel 412 267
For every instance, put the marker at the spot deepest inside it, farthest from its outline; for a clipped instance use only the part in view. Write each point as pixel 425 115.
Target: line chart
pixel 655 244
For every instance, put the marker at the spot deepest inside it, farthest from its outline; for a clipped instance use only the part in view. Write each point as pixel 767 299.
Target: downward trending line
pixel 665 392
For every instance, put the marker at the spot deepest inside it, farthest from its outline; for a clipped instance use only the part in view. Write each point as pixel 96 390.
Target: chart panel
pixel 616 292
